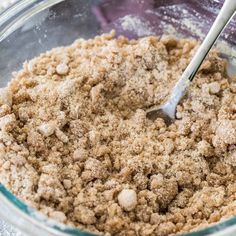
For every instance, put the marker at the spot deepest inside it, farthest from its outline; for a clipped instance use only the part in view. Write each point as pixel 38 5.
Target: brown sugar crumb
pixel 75 142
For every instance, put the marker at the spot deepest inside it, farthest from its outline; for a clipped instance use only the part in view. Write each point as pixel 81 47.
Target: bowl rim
pixel 10 20
pixel 20 12
pixel 34 217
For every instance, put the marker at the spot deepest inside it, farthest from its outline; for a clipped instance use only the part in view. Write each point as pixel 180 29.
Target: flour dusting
pixel 136 25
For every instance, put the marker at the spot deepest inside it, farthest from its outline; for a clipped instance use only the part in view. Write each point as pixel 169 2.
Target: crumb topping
pixel 75 142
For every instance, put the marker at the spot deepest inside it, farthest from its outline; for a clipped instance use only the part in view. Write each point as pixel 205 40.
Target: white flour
pixel 136 25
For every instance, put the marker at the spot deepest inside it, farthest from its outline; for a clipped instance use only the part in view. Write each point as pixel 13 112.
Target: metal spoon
pixel 168 110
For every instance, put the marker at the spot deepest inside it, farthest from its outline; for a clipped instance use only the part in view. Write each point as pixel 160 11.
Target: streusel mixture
pixel 75 142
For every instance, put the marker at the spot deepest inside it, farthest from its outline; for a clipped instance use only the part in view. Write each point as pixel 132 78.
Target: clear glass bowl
pixel 33 26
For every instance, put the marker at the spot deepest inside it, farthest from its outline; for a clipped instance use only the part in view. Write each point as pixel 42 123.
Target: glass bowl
pixel 30 27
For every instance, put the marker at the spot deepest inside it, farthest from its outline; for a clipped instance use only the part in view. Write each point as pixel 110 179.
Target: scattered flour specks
pixel 136 25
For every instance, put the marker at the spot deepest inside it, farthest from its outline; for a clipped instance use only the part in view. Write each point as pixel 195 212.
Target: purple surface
pixel 159 13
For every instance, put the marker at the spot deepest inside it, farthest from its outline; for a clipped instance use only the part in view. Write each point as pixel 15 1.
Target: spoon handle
pixel 225 15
